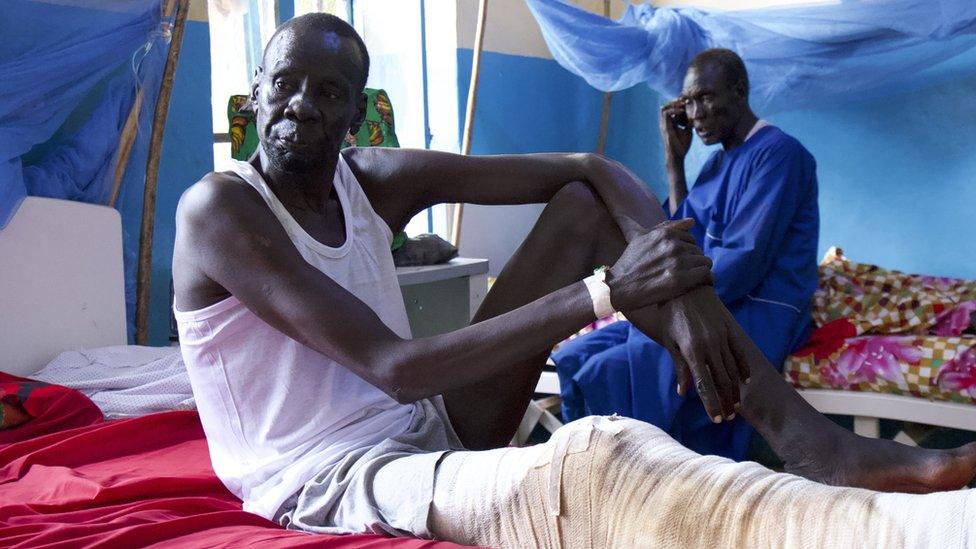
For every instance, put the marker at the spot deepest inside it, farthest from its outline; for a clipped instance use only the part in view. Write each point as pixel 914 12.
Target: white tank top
pixel 276 412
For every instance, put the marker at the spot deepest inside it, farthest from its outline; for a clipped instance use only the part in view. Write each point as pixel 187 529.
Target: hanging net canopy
pixel 71 71
pixel 796 55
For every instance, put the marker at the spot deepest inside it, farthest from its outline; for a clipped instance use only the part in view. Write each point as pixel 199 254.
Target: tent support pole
pixel 469 113
pixel 601 144
pixel 152 169
pixel 126 140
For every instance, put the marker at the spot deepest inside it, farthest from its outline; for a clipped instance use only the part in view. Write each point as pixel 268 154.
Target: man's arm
pixel 425 177
pixel 677 140
pixel 225 231
pixel 402 182
pixel 677 186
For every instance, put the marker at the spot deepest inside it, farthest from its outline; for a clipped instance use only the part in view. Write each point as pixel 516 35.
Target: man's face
pixel 308 96
pixel 713 104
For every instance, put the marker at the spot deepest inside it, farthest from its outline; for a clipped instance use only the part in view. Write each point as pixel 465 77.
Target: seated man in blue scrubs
pixel 754 207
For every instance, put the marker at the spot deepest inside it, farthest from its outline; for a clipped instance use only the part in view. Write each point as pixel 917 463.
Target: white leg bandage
pixel 614 482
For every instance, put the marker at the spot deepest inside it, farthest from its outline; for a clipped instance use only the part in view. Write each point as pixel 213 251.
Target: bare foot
pixel 888 466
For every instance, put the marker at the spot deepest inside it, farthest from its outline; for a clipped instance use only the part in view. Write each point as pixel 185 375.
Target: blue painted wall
pixel 633 138
pixel 187 155
pixel 898 177
pixel 897 173
pixel 528 104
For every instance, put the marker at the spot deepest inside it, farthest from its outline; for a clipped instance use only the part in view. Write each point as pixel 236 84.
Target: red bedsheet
pixel 133 483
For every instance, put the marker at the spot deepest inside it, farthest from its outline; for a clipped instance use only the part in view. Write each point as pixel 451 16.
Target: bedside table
pixel 442 298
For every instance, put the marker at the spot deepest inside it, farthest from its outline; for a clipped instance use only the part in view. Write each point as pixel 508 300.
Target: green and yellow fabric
pixel 377 130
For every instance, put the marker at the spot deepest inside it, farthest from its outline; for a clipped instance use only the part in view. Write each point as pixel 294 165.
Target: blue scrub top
pixel 756 215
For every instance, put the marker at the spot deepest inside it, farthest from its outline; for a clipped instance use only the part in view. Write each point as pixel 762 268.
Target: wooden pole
pixel 126 140
pixel 601 143
pixel 479 40
pixel 152 168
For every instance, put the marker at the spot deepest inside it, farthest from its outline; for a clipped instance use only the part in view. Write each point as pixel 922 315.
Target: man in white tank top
pixel 319 408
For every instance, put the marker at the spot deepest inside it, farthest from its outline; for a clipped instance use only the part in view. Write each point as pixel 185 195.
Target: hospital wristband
pixel 599 293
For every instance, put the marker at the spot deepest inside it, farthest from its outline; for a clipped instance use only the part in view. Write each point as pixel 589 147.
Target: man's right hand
pixel 677 139
pixel 658 266
pixel 705 344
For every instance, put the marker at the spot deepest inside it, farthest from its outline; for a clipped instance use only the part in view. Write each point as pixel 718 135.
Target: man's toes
pixel 952 470
pixel 967 452
pixel 966 458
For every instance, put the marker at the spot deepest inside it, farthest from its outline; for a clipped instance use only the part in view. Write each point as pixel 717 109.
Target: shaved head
pixel 729 62
pixel 314 25
pixel 308 93
pixel 716 96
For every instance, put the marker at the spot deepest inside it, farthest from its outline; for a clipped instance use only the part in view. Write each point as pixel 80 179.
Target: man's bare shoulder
pixel 219 221
pixel 218 195
pixel 392 177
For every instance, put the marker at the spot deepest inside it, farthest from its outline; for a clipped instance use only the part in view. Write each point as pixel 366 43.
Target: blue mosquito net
pixel 796 55
pixel 69 74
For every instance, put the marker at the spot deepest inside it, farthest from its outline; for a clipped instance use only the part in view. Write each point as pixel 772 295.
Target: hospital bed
pixel 889 345
pixel 68 478
pixel 61 284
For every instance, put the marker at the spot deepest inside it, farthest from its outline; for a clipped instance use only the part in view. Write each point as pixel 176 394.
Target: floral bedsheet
pixel 889 332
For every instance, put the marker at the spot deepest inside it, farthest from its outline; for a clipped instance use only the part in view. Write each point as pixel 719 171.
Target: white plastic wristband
pixel 599 294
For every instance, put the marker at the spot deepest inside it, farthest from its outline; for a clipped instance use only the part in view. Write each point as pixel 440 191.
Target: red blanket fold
pixel 131 483
pixel 52 407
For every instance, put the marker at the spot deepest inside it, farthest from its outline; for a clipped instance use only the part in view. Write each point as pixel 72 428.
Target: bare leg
pixel 814 447
pixel 574 234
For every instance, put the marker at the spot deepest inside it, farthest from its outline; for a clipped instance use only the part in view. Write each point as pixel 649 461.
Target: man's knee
pixel 604 437
pixel 579 211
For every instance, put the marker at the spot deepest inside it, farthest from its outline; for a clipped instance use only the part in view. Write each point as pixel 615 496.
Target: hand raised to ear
pixel 676 130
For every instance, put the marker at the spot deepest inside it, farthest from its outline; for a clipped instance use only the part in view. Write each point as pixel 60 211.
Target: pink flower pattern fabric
pixel 889 332
pixel 865 359
pixel 956 320
pixel 959 374
pixel 929 367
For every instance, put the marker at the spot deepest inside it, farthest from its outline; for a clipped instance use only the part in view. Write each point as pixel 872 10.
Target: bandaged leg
pixel 614 482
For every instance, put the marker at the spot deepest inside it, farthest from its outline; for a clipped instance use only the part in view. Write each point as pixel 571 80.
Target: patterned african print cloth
pixel 889 332
pixel 377 130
